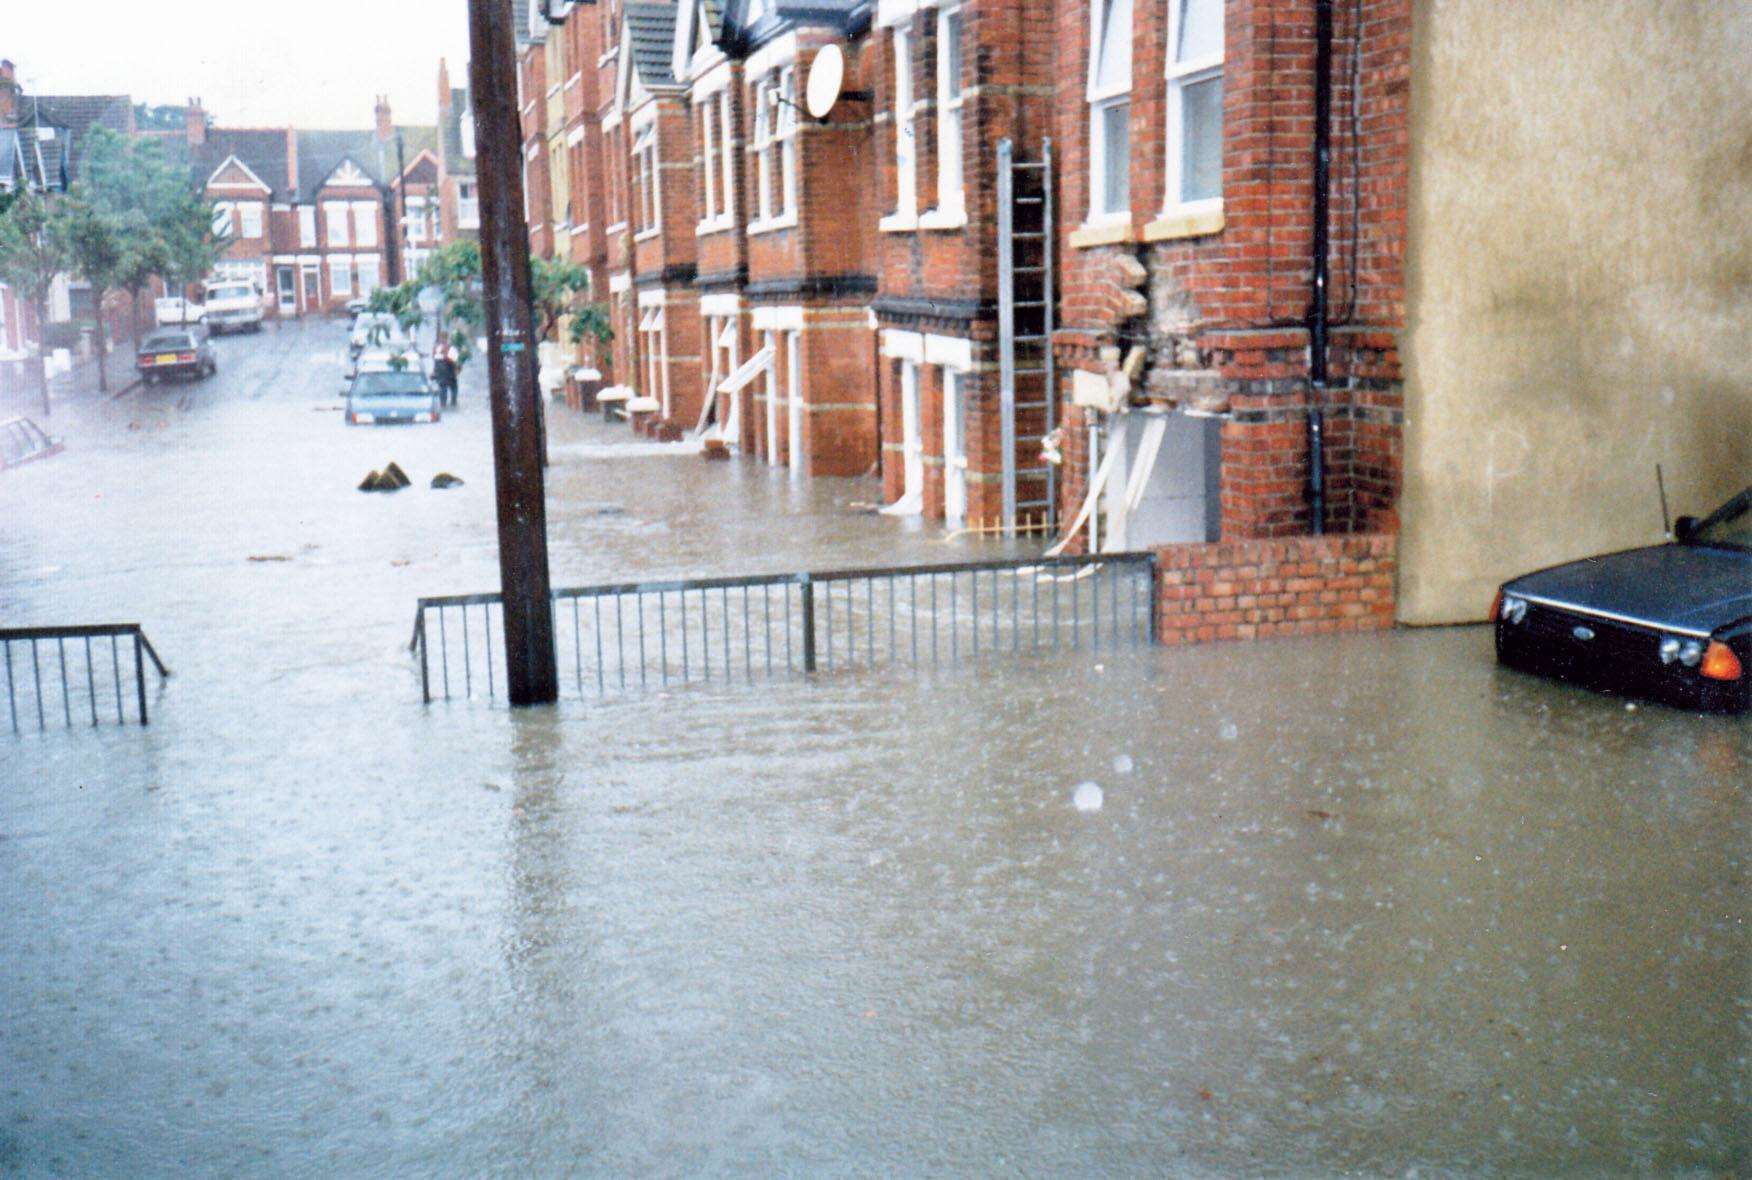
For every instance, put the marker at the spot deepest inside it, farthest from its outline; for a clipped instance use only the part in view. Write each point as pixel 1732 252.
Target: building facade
pixel 1047 266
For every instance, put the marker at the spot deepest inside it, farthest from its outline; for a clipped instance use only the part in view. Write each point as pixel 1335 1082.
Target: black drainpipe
pixel 1317 344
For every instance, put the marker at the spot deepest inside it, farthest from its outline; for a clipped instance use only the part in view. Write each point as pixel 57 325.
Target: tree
pixel 94 239
pixel 33 252
pixel 146 197
pixel 191 245
pixel 555 285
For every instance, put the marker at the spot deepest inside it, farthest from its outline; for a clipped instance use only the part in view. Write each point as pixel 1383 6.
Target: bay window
pixel 334 216
pixel 365 223
pixel 1195 102
pixel 249 215
pixel 1110 111
pixel 727 139
pixel 340 276
pixel 709 160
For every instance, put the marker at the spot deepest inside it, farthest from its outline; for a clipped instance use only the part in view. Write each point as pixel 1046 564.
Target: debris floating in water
pixel 446 480
pixel 1087 797
pixel 1229 732
pixel 391 479
pixel 1122 764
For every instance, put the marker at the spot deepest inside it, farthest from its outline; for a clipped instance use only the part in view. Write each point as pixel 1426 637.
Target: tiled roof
pixel 651 34
pixel 261 150
pixel 321 152
pixel 77 114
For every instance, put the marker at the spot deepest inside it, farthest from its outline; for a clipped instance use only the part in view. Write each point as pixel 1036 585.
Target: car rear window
pixel 388 384
pixel 235 292
pixel 168 342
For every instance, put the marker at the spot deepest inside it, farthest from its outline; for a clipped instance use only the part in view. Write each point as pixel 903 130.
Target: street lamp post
pixel 530 673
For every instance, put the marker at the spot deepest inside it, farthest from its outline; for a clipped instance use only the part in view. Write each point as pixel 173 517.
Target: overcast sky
pixel 310 63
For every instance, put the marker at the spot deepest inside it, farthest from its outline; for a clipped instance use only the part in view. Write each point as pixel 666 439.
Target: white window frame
pixel 365 224
pixel 223 216
pixel 709 171
pixel 650 220
pixel 774 148
pixel 307 227
pixel 468 205
pixel 727 138
pixel 906 159
pixel 340 276
pixel 1182 74
pixel 1105 94
pixel 335 215
pixel 950 195
pixel 250 218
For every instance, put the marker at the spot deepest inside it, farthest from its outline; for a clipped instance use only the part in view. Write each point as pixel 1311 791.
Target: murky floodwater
pixel 1352 906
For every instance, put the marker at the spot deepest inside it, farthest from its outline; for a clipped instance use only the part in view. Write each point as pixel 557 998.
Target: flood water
pixel 1363 906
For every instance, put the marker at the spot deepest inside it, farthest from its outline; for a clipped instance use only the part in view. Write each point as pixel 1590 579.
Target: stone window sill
pixel 716 225
pixel 951 218
pixel 645 235
pixel 1103 233
pixel 1186 221
pixel 903 222
pixel 773 224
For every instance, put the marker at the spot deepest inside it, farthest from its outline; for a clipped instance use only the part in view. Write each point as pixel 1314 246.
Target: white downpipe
pixel 772 403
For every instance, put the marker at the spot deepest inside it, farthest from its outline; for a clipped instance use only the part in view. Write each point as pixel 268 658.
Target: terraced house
pixel 1087 268
pixel 316 218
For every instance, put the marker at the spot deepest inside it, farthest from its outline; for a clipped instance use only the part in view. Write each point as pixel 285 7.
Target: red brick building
pixel 314 218
pixel 1159 335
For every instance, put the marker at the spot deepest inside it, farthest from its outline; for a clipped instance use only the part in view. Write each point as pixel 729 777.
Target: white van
pixel 232 303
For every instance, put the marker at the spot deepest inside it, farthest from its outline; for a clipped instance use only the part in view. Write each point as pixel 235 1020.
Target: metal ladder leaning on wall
pixel 1027 383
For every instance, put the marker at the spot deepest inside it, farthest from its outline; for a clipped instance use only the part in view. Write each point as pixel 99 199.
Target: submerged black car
pixel 1673 622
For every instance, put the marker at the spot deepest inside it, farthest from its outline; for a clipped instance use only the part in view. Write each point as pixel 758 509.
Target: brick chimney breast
pixel 385 128
pixel 8 94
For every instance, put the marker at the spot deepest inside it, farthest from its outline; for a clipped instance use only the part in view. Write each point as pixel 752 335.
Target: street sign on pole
pixel 530 674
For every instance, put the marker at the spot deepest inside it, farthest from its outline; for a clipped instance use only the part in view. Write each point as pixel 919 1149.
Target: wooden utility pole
pixel 530 674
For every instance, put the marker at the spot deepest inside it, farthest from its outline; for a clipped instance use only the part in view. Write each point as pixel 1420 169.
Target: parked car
pixel 176 352
pixel 174 309
pixel 233 303
pixel 1672 622
pixel 358 304
pixel 386 360
pixel 22 441
pixel 375 329
pixel 379 397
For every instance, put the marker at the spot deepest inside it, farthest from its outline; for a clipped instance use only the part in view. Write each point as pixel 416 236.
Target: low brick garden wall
pixel 1293 586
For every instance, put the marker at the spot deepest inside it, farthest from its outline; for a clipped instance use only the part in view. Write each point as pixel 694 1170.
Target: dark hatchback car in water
pixel 1672 622
pixel 176 352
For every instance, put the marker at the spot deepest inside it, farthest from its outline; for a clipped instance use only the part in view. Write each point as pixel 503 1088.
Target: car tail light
pixel 1720 662
pixel 185 357
pixel 1496 607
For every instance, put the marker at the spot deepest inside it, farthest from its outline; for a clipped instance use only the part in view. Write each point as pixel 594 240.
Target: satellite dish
pixel 827 74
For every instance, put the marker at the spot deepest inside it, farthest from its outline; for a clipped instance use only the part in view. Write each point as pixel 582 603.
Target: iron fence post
pixel 808 588
pixel 425 673
pixel 140 673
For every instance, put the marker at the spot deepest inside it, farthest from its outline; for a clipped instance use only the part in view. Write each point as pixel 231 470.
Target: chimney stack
pixel 385 128
pixel 195 121
pixel 9 94
pixel 443 85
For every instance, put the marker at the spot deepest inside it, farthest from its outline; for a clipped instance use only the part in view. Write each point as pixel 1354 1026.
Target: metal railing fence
pixel 636 636
pixel 35 658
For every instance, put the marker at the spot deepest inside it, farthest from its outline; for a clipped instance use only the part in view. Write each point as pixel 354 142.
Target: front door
pixel 312 288
pixel 286 279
